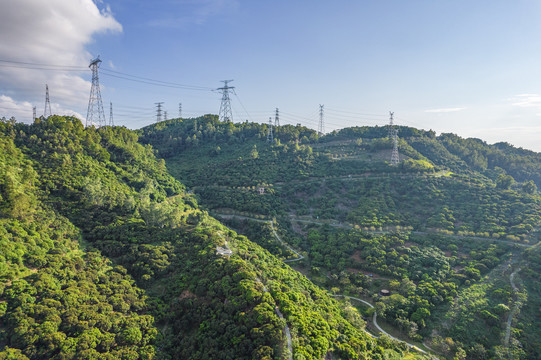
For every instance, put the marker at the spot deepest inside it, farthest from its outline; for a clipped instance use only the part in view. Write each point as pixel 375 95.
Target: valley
pixel 432 230
pixel 105 255
pixel 111 245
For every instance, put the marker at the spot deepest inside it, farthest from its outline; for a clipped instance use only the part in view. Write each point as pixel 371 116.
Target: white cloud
pixel 527 100
pixel 10 107
pixel 49 32
pixel 23 110
pixel 445 110
pixel 195 12
pixel 211 8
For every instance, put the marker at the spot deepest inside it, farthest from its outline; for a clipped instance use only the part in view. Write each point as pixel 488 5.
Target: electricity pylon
pixel 321 129
pixel 393 134
pixel 270 137
pixel 47 112
pixel 226 114
pixel 95 114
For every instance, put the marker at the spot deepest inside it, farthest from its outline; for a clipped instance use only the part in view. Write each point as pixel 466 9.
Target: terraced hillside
pixel 443 230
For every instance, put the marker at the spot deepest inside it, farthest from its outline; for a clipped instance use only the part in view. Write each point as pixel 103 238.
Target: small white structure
pixel 224 251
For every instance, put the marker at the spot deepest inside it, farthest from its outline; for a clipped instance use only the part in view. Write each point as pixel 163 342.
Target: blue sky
pixel 467 67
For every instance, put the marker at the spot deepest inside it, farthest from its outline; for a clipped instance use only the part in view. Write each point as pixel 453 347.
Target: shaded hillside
pixel 104 255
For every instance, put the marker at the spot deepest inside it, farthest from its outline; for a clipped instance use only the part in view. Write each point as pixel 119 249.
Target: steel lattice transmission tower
pixel 95 114
pixel 393 134
pixel 180 110
pixel 158 111
pixel 47 111
pixel 321 128
pixel 111 123
pixel 277 118
pixel 33 113
pixel 225 107
pixel 270 137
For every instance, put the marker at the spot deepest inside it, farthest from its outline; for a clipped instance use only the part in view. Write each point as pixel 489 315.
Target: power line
pixel 355 113
pixel 122 106
pixel 135 111
pixel 34 65
pixel 107 72
pixel 337 114
pixel 154 82
pixel 9 108
pixel 298 116
pixel 402 120
pixel 242 105
pixel 312 123
pixel 352 117
pixel 41 68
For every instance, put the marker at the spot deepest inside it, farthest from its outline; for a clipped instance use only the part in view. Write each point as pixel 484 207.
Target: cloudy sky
pixel 461 66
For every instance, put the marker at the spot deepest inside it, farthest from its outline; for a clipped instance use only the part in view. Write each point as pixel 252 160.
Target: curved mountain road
pixel 300 257
pixel 349 226
pixel 374 320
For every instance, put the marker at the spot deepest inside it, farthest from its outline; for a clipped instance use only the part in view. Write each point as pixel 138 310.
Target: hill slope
pixel 449 225
pixel 104 255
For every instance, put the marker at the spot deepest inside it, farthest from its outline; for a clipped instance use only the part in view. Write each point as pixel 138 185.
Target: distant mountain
pixel 104 255
pixel 452 230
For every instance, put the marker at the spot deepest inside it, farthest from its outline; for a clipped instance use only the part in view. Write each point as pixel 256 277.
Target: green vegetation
pixel 104 255
pixel 442 231
pixel 55 300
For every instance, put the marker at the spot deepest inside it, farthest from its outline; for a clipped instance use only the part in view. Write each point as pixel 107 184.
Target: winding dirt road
pixel 374 320
pixel 299 256
pixel 515 308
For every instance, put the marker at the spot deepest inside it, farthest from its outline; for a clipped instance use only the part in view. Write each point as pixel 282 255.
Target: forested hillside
pixel 451 232
pixel 104 255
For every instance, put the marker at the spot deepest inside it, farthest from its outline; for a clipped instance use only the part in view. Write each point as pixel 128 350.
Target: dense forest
pixel 451 233
pixel 105 255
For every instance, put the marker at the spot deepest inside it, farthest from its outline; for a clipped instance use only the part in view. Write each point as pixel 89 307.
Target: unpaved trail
pixel 299 256
pixel 515 308
pixel 374 320
pixel 288 334
pixel 286 328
